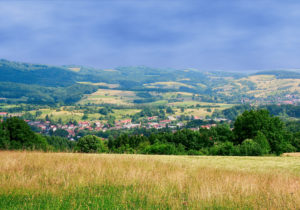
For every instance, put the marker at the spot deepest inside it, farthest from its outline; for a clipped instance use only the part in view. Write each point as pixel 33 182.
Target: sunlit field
pixel 109 181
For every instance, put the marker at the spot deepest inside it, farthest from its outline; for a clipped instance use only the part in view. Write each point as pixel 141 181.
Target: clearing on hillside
pixel 106 96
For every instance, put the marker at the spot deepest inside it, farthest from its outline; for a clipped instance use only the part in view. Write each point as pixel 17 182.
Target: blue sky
pixel 207 35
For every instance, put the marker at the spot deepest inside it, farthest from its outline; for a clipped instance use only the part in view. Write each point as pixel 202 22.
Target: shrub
pixel 263 143
pixel 194 152
pixel 90 144
pixel 161 148
pixel 226 148
pixel 250 148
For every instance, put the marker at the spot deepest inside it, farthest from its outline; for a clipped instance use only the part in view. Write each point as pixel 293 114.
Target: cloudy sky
pixel 208 35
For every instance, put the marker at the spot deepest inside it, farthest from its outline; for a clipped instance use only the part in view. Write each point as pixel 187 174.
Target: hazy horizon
pixel 219 36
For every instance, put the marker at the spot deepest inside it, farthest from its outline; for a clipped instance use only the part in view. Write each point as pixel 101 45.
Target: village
pixel 72 128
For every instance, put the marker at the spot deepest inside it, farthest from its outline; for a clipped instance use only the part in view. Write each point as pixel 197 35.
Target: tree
pixel 38 113
pixel 47 118
pixel 60 144
pixel 169 110
pixel 251 122
pixel 262 141
pixel 4 138
pixel 21 136
pixel 250 148
pixel 61 132
pixel 103 111
pixel 85 116
pixel 90 144
pixel 224 148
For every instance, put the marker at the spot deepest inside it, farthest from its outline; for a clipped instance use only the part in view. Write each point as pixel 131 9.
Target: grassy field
pixel 100 84
pixel 32 180
pixel 175 85
pixel 106 96
pixel 265 85
pixel 66 115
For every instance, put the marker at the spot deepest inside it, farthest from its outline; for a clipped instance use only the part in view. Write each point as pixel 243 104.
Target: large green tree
pixel 4 138
pixel 20 136
pixel 90 144
pixel 250 123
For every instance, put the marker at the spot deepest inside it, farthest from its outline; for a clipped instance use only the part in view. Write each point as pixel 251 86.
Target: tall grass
pixel 71 181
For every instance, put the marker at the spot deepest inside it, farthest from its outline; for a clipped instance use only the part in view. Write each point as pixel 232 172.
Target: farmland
pixel 105 96
pixel 70 113
pixel 68 181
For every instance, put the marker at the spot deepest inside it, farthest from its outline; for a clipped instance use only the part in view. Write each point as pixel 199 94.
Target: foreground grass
pixel 89 181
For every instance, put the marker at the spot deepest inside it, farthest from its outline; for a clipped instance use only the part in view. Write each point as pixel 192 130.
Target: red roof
pixel 165 121
pixel 125 121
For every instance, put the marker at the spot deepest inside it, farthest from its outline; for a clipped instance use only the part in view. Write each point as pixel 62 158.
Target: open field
pixel 263 86
pixel 100 84
pixel 195 103
pixel 66 115
pixel 108 181
pixel 199 112
pixel 175 85
pixel 106 96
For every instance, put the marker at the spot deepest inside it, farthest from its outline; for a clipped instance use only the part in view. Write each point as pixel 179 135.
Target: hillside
pixel 32 83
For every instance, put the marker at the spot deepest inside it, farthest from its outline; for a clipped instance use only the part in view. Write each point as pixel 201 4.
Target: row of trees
pixel 255 132
pixel 284 110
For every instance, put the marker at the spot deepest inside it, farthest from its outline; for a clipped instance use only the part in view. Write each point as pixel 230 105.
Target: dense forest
pixel 35 94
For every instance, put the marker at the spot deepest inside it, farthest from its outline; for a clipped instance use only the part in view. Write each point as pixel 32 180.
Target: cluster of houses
pixel 6 114
pixel 47 126
pixel 72 129
pixel 292 99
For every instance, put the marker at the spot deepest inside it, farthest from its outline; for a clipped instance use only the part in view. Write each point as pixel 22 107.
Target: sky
pixel 233 35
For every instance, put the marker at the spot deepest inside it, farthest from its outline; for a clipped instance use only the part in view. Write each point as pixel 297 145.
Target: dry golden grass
pixel 269 85
pixel 291 154
pixel 176 181
pixel 179 182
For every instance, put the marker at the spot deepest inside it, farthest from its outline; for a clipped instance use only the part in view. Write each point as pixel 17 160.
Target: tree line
pixel 254 133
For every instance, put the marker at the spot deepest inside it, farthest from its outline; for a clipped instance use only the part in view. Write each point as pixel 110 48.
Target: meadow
pixel 106 96
pixel 109 181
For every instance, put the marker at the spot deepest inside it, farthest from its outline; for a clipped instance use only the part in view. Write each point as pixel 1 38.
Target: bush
pixel 194 152
pixel 90 144
pixel 250 148
pixel 262 141
pixel 161 149
pixel 60 144
pixel 226 148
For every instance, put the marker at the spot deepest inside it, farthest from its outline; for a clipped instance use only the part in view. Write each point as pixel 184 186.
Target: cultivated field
pixel 106 96
pixel 264 86
pixel 93 181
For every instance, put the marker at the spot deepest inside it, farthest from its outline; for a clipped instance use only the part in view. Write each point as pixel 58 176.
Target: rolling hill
pixel 44 84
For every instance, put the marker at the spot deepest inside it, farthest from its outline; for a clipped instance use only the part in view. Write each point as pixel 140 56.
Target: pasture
pixel 109 181
pixel 107 96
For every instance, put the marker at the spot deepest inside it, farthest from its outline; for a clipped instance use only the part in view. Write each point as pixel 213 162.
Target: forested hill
pixel 36 74
pixel 281 74
pixel 44 84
